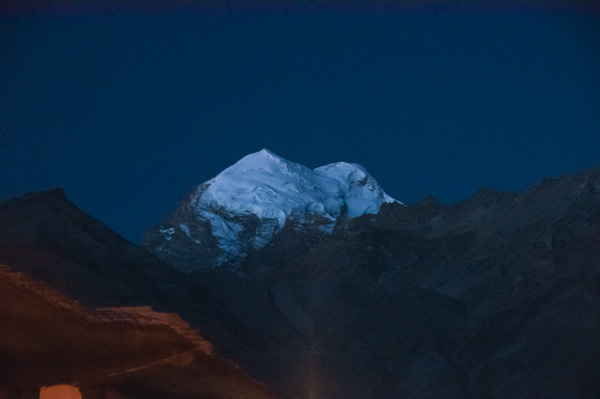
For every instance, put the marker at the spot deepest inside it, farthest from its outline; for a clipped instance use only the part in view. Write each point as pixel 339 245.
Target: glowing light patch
pixel 60 392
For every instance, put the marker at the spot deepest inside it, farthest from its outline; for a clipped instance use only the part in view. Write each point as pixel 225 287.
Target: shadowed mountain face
pixel 497 296
pixel 50 238
pixel 46 338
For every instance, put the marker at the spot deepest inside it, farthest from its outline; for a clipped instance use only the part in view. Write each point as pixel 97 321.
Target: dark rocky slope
pixel 497 296
pixel 50 238
pixel 47 241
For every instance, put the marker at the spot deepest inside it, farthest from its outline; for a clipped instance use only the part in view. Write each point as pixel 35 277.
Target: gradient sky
pixel 128 109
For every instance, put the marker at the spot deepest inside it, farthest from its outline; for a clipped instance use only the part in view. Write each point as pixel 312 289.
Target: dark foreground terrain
pixel 495 297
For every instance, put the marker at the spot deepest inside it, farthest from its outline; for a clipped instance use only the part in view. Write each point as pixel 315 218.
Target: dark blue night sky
pixel 129 109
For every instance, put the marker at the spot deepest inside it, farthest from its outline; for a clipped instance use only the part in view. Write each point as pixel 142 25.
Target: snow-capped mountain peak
pixel 268 187
pixel 265 185
pixel 263 159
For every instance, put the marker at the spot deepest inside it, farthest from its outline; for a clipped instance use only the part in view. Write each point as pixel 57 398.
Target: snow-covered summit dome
pixel 273 189
pixel 266 185
pixel 355 186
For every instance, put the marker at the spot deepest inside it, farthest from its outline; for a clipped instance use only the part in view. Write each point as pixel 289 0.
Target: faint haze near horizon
pixel 128 108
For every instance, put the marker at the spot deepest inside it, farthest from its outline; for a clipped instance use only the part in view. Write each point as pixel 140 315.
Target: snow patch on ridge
pixel 167 233
pixel 185 229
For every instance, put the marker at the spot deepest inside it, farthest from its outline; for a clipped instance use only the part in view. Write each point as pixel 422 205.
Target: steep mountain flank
pixel 57 266
pixel 495 296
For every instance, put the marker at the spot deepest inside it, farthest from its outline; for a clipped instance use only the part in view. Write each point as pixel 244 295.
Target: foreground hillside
pixel 58 266
pixel 47 339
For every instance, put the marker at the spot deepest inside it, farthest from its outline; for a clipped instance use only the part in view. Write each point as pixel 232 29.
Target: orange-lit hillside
pixel 47 339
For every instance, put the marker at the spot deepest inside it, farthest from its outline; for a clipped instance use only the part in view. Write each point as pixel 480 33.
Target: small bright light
pixel 60 392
